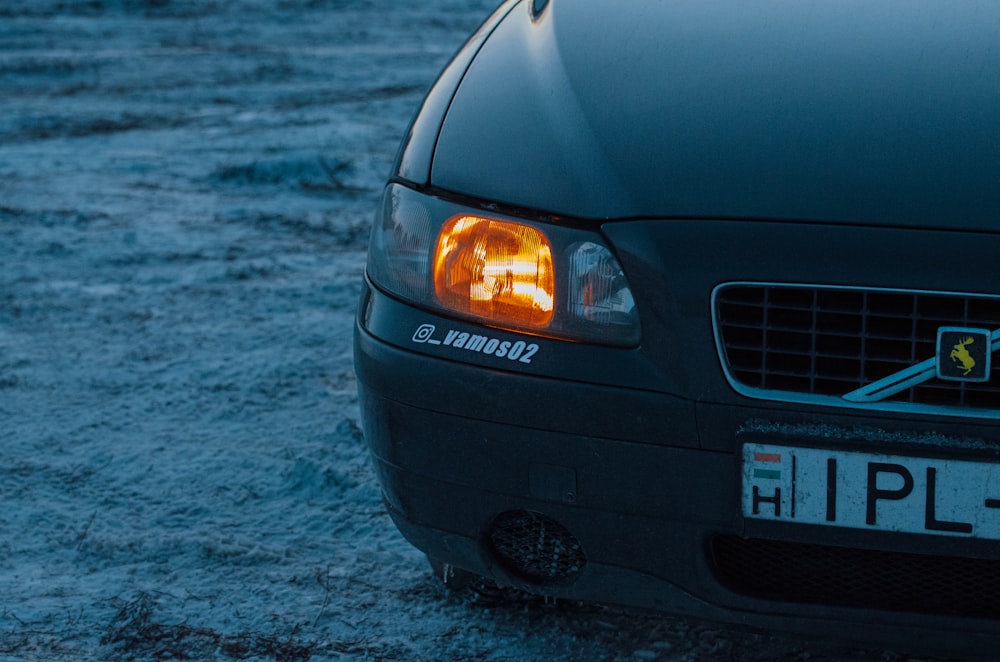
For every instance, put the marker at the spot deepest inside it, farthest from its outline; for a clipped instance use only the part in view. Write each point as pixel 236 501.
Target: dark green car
pixel 691 306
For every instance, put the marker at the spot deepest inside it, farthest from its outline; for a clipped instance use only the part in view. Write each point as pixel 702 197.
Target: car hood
pixel 874 113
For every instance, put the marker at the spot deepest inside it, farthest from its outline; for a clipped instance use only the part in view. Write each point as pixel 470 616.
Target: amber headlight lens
pixel 496 270
pixel 504 272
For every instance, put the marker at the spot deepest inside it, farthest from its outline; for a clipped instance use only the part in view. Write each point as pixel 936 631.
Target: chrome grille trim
pixel 831 394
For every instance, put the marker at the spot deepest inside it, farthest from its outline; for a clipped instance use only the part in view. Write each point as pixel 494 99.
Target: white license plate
pixel 871 491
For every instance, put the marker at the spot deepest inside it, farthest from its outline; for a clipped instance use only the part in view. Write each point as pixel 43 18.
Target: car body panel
pixel 413 162
pixel 830 111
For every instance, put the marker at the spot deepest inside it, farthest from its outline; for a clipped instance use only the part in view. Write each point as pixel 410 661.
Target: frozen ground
pixel 185 192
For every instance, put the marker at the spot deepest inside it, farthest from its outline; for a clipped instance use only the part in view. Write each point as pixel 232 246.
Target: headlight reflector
pixel 498 270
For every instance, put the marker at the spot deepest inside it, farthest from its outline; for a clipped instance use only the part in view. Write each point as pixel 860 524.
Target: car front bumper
pixel 645 486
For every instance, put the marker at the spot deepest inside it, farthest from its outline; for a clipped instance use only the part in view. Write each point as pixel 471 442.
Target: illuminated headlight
pixel 502 271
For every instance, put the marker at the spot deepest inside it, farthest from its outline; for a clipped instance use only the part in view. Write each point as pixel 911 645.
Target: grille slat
pixel 827 341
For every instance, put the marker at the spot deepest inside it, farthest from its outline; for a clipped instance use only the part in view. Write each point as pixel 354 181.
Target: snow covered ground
pixel 185 193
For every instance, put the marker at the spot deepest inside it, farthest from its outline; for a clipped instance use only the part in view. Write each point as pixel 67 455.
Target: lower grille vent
pixel 536 547
pixel 795 572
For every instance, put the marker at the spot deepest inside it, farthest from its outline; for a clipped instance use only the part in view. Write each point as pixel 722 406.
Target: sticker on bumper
pixel 513 350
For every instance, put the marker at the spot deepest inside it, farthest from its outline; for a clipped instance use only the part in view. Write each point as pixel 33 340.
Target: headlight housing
pixel 501 271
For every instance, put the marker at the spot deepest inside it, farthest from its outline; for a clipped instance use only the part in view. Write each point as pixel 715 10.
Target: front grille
pixel 536 547
pixel 844 577
pixel 828 341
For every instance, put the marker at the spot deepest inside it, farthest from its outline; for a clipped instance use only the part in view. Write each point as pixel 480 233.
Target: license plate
pixel 871 491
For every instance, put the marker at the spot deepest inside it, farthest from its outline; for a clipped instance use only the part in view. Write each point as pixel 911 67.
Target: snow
pixel 185 193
